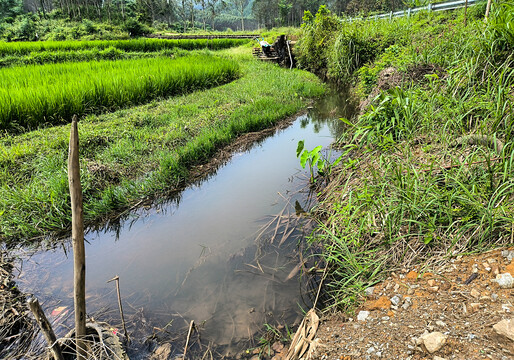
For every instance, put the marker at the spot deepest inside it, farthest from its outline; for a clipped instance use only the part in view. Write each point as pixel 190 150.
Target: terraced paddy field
pixel 138 152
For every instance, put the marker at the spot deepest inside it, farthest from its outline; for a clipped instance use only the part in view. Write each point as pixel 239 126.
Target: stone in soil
pixel 505 328
pixel 505 281
pixel 363 315
pixel 434 341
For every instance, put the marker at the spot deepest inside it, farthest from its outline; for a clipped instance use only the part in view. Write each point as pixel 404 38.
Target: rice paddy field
pixel 144 124
pixel 142 45
pixel 35 95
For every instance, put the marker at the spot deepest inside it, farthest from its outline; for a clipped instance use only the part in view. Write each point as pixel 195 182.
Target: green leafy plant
pixel 318 163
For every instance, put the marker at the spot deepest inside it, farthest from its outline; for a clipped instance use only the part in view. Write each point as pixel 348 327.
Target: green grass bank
pixel 141 152
pixel 429 161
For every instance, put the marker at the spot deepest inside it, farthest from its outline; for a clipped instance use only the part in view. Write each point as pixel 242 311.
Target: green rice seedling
pixel 139 45
pixel 46 57
pixel 35 96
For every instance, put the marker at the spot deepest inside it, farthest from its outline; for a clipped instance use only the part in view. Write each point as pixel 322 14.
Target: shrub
pixel 135 28
pixel 89 27
pixel 316 40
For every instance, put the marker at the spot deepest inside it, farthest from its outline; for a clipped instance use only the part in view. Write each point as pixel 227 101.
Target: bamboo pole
pixel 77 234
pixel 46 328
pixel 488 9
pixel 466 13
pixel 117 279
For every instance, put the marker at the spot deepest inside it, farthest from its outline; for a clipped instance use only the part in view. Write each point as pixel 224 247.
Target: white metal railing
pixel 451 5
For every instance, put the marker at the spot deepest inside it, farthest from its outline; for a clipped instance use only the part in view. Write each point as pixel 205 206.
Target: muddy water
pixel 224 254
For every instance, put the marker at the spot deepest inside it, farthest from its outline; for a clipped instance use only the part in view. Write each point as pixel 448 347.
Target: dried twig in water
pixel 188 336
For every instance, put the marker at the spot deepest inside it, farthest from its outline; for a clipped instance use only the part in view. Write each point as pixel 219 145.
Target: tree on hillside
pixel 283 12
pixel 214 6
pixel 240 6
pixel 10 9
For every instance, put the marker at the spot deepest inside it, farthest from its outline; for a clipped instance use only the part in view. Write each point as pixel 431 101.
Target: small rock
pixel 505 328
pixel 396 300
pixel 431 282
pixel 363 315
pixel 475 293
pixel 505 281
pixel 434 341
pixel 474 307
pixel 471 337
pixel 407 303
pixel 371 350
pixel 494 297
pixel 440 323
pixel 369 291
pixel 508 254
pixel 438 358
pixel 277 346
pixel 433 289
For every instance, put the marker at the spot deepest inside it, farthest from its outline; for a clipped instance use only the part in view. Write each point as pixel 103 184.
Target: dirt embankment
pixel 460 309
pixel 455 308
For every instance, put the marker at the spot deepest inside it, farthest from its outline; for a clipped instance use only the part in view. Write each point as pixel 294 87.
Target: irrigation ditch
pixel 214 270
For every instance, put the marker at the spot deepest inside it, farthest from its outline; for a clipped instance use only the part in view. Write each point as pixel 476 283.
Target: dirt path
pixel 454 311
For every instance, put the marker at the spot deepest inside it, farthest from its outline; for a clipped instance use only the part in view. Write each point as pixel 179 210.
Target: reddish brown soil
pixel 447 299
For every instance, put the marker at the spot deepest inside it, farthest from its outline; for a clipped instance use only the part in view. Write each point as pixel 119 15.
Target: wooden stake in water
pixel 46 328
pixel 77 235
pixel 117 279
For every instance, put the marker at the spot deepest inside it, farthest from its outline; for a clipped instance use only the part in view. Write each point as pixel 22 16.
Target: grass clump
pixel 140 152
pixel 34 96
pixel 429 159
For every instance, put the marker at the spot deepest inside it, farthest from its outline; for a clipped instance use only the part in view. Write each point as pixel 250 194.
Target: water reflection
pixel 328 110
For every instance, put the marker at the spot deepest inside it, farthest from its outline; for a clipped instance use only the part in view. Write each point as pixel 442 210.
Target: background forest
pixel 29 20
